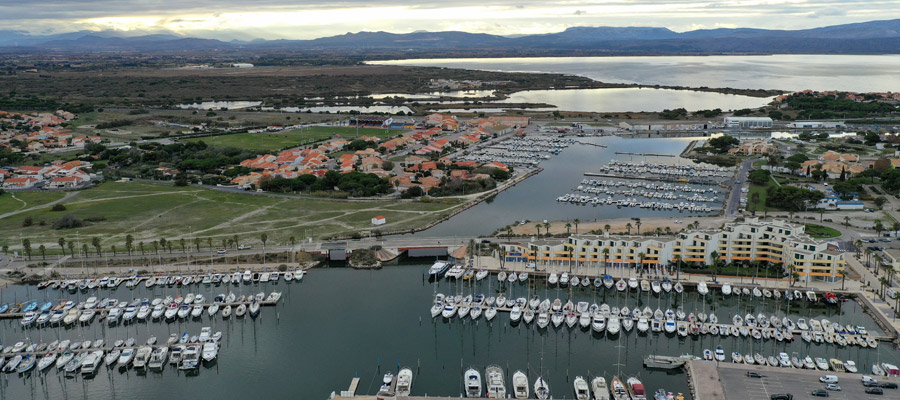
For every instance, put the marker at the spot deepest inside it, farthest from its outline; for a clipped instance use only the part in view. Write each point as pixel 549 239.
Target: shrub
pixel 27 222
pixel 95 218
pixel 282 267
pixel 58 207
pixel 68 222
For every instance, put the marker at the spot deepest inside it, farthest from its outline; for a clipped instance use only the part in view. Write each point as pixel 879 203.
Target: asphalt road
pixel 734 200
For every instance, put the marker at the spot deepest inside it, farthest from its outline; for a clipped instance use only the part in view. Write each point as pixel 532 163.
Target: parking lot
pixel 800 383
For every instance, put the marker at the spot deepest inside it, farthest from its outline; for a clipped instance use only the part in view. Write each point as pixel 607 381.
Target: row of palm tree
pixel 162 243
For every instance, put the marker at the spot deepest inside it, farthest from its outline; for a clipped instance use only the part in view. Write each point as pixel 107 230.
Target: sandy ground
pixel 618 225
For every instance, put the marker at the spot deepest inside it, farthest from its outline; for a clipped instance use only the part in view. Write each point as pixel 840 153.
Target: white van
pixel 829 379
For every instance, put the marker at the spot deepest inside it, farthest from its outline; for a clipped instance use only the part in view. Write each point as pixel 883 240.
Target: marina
pixel 520 151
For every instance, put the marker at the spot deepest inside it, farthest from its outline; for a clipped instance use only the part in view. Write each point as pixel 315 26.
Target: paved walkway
pixel 866 286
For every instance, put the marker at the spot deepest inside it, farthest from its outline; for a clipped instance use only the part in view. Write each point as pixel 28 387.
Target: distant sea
pixel 868 73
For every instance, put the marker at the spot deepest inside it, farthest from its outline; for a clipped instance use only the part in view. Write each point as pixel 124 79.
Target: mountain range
pixel 874 37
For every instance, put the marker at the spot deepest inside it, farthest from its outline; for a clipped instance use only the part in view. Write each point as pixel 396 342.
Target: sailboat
pixel 618 390
pixel 541 389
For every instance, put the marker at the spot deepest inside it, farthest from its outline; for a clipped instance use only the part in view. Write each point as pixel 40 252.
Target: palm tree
pixel 677 260
pixel 71 246
pixel 95 241
pixel 264 237
pixel 84 249
pixel 182 243
pixel 658 231
pixel 43 251
pixel 547 229
pixel 113 248
pixel 292 240
pixel 576 221
pixel 846 220
pixel 62 244
pixel 638 223
pixel 641 265
pixel 197 242
pixel 209 242
pixel 169 245
pixel 843 279
pixel 508 233
pixel 568 227
pixel 715 259
pixel 858 245
pixel 794 274
pixel 129 243
pixel 236 242
pixel 628 227
pixel 606 228
pixel 141 246
pixel 224 243
pixel 163 242
pixel 26 244
pixel 156 246
pixel 605 260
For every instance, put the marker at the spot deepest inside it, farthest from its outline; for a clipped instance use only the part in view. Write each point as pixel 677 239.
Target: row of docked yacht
pixel 492 385
pixel 634 202
pixel 686 171
pixel 86 357
pixel 236 278
pixel 612 319
pixel 648 194
pixel 651 186
pixel 529 151
pixel 607 281
pixel 788 294
pixel 795 361
pixel 67 312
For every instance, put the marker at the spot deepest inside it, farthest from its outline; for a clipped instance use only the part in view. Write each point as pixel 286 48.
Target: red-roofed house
pixel 66 182
pixel 20 182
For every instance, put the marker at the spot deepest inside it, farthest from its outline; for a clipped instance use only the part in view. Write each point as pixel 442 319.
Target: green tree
pixel 628 228
pixel 879 227
pixel 43 251
pixel 576 221
pixel 759 176
pixel 71 246
pixel 568 227
pixel 264 237
pixel 129 243
pixel 62 244
pixel 637 223
pixel 95 241
pixel 880 201
pixel 183 244
pixel 84 249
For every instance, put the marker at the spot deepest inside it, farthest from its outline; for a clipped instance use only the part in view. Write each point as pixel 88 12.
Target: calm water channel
pixel 339 323
pixel 535 198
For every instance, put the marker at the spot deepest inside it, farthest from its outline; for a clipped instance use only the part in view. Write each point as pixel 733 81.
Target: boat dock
pixel 693 180
pixel 101 313
pixel 644 154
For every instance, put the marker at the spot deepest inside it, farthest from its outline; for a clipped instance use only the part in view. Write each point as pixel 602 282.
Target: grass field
pixel 150 211
pixel 821 232
pixel 761 191
pixel 277 141
pixel 19 201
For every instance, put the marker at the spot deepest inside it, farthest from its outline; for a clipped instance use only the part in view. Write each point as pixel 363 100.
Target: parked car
pixel 888 385
pixel 819 393
pixel 828 379
pixel 872 383
pixel 874 390
pixel 754 374
pixel 782 396
pixel 866 378
pixel 221 251
pixel 833 386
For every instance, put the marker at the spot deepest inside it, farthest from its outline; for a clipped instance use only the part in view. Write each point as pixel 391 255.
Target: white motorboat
pixel 520 385
pixel 495 382
pixel 720 354
pixel 702 289
pixel 553 279
pixel 90 362
pixel 599 388
pixel 516 314
pixel 582 392
pixel 632 283
pixel 112 357
pixel 141 357
pixel 125 358
pixel 472 379
pixel 210 351
pixel 158 358
pixel 190 358
pixel 613 326
pixel 404 382
pixel 197 311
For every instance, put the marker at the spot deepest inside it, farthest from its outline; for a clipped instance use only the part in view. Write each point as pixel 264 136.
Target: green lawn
pixel 761 192
pixel 16 201
pixel 151 211
pixel 277 141
pixel 821 232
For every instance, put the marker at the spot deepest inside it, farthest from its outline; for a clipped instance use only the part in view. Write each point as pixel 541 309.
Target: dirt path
pixel 68 195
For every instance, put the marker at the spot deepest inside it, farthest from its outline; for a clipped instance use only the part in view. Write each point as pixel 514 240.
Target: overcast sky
pixel 275 19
